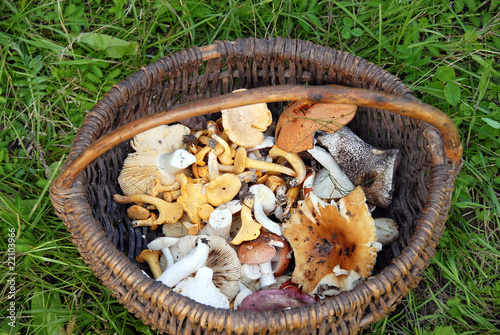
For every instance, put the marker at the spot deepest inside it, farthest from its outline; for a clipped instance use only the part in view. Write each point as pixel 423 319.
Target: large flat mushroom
pixel 333 244
pixel 301 119
pixel 159 154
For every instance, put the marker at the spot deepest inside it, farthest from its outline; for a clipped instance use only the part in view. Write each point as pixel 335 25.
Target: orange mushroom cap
pixel 324 237
pixel 301 119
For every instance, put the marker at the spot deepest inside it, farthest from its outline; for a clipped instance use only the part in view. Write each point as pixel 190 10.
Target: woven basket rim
pixel 346 303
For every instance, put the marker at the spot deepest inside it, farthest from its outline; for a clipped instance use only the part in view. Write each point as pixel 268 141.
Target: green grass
pixel 53 69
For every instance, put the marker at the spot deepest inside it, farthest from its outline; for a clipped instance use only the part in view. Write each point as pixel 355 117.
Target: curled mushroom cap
pixel 299 121
pixel 327 237
pixel 245 125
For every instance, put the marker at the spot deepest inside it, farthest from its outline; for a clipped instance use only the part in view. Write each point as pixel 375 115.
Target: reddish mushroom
pixel 301 119
pixel 262 251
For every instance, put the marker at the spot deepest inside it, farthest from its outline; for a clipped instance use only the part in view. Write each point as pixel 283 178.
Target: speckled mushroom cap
pixel 323 237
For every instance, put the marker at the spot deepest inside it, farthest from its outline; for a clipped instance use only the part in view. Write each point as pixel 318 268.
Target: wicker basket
pixel 195 82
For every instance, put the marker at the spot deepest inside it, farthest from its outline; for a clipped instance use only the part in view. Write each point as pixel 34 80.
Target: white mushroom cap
pixel 264 196
pixel 222 259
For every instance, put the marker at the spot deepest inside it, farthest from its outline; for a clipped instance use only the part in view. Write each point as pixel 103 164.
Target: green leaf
pixel 491 122
pixel 445 73
pixel 444 331
pixel 452 93
pixel 357 32
pixel 47 311
pixel 346 33
pixel 111 46
pixel 348 22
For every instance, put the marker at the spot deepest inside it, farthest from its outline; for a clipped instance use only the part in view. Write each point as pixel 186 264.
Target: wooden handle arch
pixel 326 94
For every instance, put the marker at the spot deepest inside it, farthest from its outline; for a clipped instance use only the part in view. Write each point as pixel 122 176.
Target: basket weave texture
pixel 108 244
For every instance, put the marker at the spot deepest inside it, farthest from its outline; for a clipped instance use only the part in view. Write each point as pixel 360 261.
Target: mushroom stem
pixel 371 168
pixel 219 223
pixel 265 222
pixel 187 265
pixel 295 161
pixel 337 184
pixel 171 163
pixel 267 278
pixel 244 292
pixel 164 244
pixel 241 162
pixel 169 212
pixel 226 157
pixel 202 289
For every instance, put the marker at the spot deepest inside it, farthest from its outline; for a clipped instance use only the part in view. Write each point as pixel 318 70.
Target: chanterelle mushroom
pixel 245 125
pixel 222 189
pixel 159 154
pixel 332 245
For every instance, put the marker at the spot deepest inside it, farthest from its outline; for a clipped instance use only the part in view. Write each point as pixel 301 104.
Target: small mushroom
pixel 159 154
pixel 136 212
pixel 295 161
pixel 386 229
pixel 291 196
pixel 222 189
pixel 164 243
pixel 264 203
pixel 241 162
pixel 191 197
pixel 152 258
pixel 334 245
pixel 371 168
pixel 245 125
pixel 330 182
pixel 262 251
pixel 250 229
pixel 225 157
pixel 201 289
pixel 169 212
pixel 300 120
pixel 187 265
pixel 204 211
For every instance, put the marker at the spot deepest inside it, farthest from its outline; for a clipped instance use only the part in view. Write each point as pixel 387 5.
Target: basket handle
pixel 411 107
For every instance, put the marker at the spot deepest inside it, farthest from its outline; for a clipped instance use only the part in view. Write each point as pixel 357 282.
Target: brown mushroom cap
pixel 301 119
pixel 257 251
pixel 325 237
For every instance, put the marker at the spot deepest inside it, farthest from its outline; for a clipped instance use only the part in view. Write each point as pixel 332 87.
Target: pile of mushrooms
pixel 255 221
